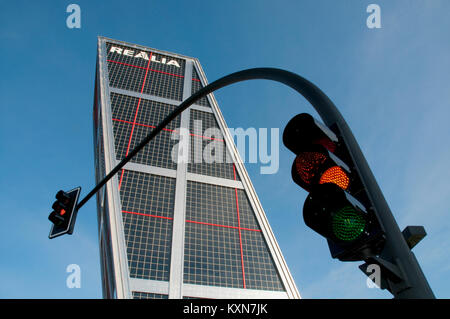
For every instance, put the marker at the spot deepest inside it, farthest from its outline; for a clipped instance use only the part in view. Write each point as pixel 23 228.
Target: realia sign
pixel 143 55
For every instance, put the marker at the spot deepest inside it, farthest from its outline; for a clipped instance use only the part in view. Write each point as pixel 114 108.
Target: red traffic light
pixel 64 212
pixel 59 208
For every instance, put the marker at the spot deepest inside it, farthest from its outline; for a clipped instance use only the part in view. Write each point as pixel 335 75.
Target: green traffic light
pixel 347 224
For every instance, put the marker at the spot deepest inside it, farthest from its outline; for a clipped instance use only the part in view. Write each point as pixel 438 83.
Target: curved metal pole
pixel 396 248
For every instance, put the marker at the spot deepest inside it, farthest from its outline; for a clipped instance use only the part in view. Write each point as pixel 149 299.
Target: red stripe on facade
pixel 139 124
pixel 135 116
pixel 172 74
pixel 189 221
pixel 134 66
pixel 218 225
pixel 206 137
pixel 169 130
pixel 149 215
pixel 140 67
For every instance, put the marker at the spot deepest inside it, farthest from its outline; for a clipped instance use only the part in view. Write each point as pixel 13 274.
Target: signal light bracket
pixel 364 249
pixel 413 235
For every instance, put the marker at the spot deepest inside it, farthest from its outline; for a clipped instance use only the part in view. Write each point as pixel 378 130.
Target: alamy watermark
pixel 374 19
pixel 73 20
pixel 208 146
pixel 74 278
pixel 373 273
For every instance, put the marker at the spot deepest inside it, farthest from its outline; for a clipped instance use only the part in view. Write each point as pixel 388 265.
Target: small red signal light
pixel 307 165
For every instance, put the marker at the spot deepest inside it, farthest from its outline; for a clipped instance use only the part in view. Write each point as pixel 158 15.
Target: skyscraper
pixel 171 227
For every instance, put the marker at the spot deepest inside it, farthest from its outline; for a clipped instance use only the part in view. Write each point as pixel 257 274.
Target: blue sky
pixel 392 85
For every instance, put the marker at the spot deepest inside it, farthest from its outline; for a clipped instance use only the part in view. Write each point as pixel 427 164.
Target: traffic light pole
pixel 405 277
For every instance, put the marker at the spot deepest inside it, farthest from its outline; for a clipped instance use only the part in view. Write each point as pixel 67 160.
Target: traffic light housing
pixel 338 206
pixel 64 212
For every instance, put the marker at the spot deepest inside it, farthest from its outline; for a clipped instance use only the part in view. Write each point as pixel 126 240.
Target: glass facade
pixel 211 145
pixel 170 229
pixel 197 85
pixel 148 295
pixel 133 119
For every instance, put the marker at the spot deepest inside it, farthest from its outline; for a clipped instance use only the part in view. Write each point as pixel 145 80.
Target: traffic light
pixel 64 212
pixel 337 206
